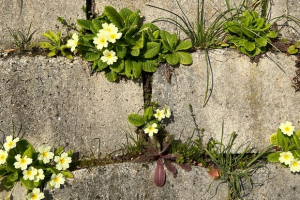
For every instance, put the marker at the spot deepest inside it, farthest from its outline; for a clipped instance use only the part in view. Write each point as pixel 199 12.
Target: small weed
pixel 21 40
pixel 233 168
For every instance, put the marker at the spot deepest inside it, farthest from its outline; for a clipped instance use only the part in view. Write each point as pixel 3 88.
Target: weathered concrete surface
pixel 135 181
pixel 56 101
pixel 252 99
pixel 42 14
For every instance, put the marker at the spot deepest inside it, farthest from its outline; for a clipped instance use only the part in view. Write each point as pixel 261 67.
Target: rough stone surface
pixel 57 102
pixel 252 99
pixel 42 14
pixel 135 181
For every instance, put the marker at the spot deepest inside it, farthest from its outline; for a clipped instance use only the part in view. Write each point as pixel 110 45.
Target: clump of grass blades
pixel 235 169
pixel 21 40
pixel 201 36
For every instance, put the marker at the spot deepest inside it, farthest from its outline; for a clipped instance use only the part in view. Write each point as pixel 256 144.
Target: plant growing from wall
pixel 287 144
pixel 20 162
pixel 249 33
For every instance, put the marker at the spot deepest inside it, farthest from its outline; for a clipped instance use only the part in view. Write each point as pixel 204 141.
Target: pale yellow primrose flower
pixel 10 143
pixel 114 35
pixel 295 166
pixel 151 129
pixel 167 111
pixel 62 161
pixel 73 42
pixel 39 175
pixel 30 173
pixel 160 114
pixel 22 162
pixel 108 27
pixel 36 194
pixel 3 156
pixel 101 40
pixel 286 157
pixel 287 128
pixel 44 154
pixel 109 57
pixel 56 180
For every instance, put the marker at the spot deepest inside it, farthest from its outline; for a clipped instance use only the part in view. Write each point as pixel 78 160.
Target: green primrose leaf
pixel 133 69
pixel 67 174
pixel 70 153
pixel 101 65
pixel 52 53
pixel 113 16
pixel 283 140
pixel 14 176
pixel 121 51
pixel 292 49
pixel 297 44
pixel 44 45
pixel 249 46
pixel 151 50
pixel 185 58
pixel 125 13
pixel 174 41
pixel 273 139
pixel 183 45
pixel 173 58
pixel 274 157
pixel 166 39
pixel 97 24
pixel 149 65
pixel 3 170
pixel 27 183
pixel 49 37
pixel 8 183
pixel 117 66
pixel 296 140
pixel 56 37
pixel 29 153
pixel 111 75
pixel 136 120
pixel 135 52
pixel 59 151
pixel 271 34
pixel 262 41
pixel 149 26
pixel 91 56
pixel 10 164
pixel 86 24
pixel 51 170
pixel 148 114
pixel 129 38
pixel 134 19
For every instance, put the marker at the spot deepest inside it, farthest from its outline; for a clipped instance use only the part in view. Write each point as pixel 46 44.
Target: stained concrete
pixel 252 99
pixel 56 101
pixel 42 14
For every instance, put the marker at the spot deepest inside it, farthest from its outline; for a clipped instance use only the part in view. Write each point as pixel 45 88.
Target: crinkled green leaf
pixel 273 139
pixel 8 183
pixel 91 56
pixel 14 176
pixel 44 45
pixel 3 170
pixel 49 37
pixel 271 34
pixel 274 157
pixel 135 52
pixel 29 153
pixel 136 120
pixel 149 65
pixel 173 58
pixel 27 184
pixel 134 19
pixel 101 65
pixel 292 49
pixel 249 46
pixel 166 39
pixel 113 16
pixel 125 13
pixel 133 69
pixel 283 140
pixel 183 45
pixel 148 114
pixel 67 174
pixel 22 145
pixel 97 24
pixel 262 41
pixel 86 24
pixel 121 51
pixel 151 50
pixel 52 53
pixel 59 151
pixel 185 58
pixel 111 75
pixel 117 66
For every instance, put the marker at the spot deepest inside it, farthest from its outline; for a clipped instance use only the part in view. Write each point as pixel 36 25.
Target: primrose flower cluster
pixel 159 115
pixel 33 168
pixel 108 34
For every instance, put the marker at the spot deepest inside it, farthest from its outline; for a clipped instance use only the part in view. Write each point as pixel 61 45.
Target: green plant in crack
pixel 57 45
pixel 235 169
pixel 287 143
pixel 119 44
pixel 249 33
pixel 22 40
pixel 173 49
